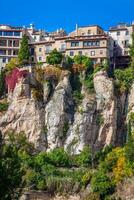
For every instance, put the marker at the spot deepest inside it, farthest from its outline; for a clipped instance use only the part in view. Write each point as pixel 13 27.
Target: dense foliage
pixel 24 53
pixel 59 172
pixel 123 79
pixel 54 58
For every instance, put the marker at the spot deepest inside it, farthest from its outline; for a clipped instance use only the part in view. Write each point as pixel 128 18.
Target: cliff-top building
pixel 91 41
pixel 122 37
pixel 10 38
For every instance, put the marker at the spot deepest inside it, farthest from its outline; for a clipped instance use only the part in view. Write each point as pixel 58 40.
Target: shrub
pixel 121 170
pixel 88 82
pixel 124 79
pixel 86 178
pixel 42 159
pixel 12 64
pixel 78 97
pixel 54 58
pixel 3 106
pixel 100 120
pixel 59 157
pixel 52 72
pixel 102 184
pixel 111 159
pixel 84 159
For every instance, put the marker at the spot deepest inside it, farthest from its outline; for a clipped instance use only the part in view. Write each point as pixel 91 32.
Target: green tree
pixel 83 60
pixel 102 184
pixel 10 173
pixel 13 63
pixel 24 53
pixel 54 58
pixel 59 157
pixel 84 159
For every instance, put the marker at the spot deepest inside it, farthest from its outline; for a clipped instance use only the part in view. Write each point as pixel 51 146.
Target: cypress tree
pixel 24 53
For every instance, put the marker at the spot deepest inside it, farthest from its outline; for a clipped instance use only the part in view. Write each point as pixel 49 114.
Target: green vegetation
pixel 83 60
pixel 123 79
pixel 3 106
pixel 59 172
pixel 24 53
pixel 54 58
pixel 12 64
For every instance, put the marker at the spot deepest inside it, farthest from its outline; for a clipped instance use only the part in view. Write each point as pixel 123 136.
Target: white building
pixel 122 36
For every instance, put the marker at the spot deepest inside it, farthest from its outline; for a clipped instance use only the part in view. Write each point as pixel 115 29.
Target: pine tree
pixel 24 53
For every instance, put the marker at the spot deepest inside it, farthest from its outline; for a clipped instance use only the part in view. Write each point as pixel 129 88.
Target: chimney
pixel 76 29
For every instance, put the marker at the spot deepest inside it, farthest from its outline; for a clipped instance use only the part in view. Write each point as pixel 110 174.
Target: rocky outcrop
pixel 25 114
pixel 83 130
pixel 106 108
pixel 58 113
pixel 130 108
pixel 95 119
pixel 51 121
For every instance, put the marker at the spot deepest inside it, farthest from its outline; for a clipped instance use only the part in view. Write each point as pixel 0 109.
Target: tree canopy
pixel 24 53
pixel 54 58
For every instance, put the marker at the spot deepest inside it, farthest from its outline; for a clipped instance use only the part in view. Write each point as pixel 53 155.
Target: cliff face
pixel 51 121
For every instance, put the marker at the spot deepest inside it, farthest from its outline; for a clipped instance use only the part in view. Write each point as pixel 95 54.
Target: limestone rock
pixel 57 113
pixel 25 115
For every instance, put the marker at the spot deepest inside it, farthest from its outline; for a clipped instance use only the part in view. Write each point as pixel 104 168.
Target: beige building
pixel 91 41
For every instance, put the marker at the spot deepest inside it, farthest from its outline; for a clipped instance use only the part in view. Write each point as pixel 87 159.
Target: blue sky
pixel 53 14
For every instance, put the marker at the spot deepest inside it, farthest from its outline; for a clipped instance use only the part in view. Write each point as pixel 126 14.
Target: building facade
pixel 122 37
pixel 91 41
pixel 10 38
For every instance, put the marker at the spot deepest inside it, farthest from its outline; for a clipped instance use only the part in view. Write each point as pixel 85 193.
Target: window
pixel 80 53
pixel 32 51
pixel 8 33
pixel 16 33
pixel 118 32
pixel 2 52
pixel 89 43
pixel 15 52
pixel 126 43
pixel 92 53
pixel 126 53
pixel 89 32
pixel 40 49
pixel 127 32
pixel 63 47
pixel 0 32
pixel 4 60
pixel 9 52
pixel 71 53
pixel 9 43
pixel 16 43
pixel 48 49
pixel 101 52
pixel 40 58
pixel 3 43
pixel 74 44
